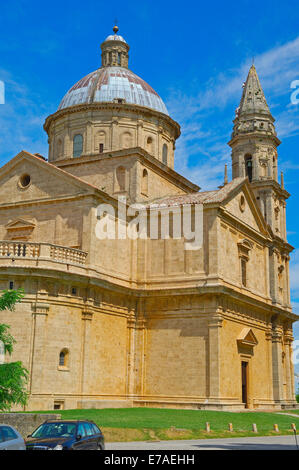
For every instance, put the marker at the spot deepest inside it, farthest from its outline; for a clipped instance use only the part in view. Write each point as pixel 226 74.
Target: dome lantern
pixel 115 51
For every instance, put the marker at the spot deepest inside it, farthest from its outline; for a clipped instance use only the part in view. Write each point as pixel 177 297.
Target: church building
pixel 124 321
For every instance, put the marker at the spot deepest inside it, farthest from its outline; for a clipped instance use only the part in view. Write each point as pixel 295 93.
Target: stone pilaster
pixel 140 142
pixel 214 327
pixel 114 134
pixel 38 347
pixel 131 326
pixel 290 385
pixel 86 354
pixel 89 140
pixel 140 351
pixel 277 371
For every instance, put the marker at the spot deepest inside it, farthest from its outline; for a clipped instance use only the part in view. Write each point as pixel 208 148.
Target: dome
pixel 115 37
pixel 108 84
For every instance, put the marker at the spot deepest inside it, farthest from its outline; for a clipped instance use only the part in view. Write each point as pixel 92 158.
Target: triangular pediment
pixel 247 337
pixel 242 205
pixel 45 181
pixel 20 223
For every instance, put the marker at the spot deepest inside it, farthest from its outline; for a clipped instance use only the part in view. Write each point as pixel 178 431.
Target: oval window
pixel 24 181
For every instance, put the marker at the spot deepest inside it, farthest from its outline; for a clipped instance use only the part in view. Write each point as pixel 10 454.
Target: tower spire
pixel 253 114
pixel 253 99
pixel 254 151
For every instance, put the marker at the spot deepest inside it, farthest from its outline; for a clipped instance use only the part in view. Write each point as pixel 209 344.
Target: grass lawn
pixel 157 424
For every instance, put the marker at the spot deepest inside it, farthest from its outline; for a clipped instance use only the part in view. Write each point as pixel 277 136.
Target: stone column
pixel 140 351
pixel 212 255
pixel 140 142
pixel 38 347
pixel 214 325
pixel 159 150
pixel 241 166
pixel 268 336
pixel 277 364
pixel 114 134
pixel 131 325
pixel 288 341
pixel 68 145
pixel 88 148
pixel 273 277
pixel 86 358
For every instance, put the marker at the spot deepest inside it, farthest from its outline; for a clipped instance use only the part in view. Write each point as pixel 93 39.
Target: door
pixel 245 383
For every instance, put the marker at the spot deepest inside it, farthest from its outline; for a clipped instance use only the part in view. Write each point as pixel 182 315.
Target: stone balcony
pixel 34 253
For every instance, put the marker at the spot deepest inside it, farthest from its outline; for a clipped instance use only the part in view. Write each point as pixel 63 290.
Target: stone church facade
pixel 146 322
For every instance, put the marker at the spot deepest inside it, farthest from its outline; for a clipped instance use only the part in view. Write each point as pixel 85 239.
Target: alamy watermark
pixel 2 92
pixel 140 221
pixel 295 94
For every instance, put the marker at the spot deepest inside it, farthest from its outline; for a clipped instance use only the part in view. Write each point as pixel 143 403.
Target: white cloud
pixel 277 68
pixel 294 274
pixel 21 120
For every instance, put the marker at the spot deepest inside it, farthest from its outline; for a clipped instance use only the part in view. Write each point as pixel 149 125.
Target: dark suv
pixel 66 435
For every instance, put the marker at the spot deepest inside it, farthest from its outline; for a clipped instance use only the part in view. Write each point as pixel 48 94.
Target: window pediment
pixel 20 229
pixel 20 223
pixel 244 247
pixel 247 338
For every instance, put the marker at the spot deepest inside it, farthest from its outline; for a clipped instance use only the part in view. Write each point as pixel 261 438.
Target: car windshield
pixel 55 430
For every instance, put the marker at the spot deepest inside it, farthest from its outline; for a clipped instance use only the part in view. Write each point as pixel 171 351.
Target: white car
pixel 10 438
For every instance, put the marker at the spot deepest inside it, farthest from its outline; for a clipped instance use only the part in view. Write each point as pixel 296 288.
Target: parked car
pixel 10 438
pixel 66 435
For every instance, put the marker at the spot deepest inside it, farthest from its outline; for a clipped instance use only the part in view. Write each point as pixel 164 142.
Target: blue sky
pixel 195 54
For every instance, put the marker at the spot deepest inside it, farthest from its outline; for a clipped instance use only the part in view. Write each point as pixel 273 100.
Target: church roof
pixel 113 82
pixel 253 99
pixel 108 84
pixel 115 37
pixel 203 197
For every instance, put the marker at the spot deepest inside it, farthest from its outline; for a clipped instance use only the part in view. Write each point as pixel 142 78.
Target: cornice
pixel 116 107
pixel 254 135
pixel 142 155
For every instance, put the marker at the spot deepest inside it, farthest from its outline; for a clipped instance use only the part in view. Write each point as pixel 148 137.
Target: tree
pixel 13 376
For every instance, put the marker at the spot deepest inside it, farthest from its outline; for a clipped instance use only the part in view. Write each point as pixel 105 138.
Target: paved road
pixel 244 443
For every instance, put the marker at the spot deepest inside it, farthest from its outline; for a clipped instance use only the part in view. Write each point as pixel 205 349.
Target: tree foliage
pixel 13 376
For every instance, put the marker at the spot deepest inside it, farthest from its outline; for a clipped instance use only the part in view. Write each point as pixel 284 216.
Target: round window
pixel 24 181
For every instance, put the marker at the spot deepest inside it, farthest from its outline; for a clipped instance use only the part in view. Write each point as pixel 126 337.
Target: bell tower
pixel 254 144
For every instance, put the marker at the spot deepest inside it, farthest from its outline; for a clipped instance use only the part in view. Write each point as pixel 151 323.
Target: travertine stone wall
pixel 116 127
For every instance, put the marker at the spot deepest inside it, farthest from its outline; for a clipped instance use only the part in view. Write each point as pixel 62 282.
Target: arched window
pixel 164 154
pixel 144 182
pixel 100 141
pixel 118 58
pixel 248 167
pixel 78 145
pixel 120 179
pixel 149 145
pixel 126 140
pixel 63 358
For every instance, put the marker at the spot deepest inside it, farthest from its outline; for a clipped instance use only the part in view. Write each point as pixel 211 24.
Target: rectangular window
pixel 58 405
pixel 11 285
pixel 101 148
pixel 243 272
